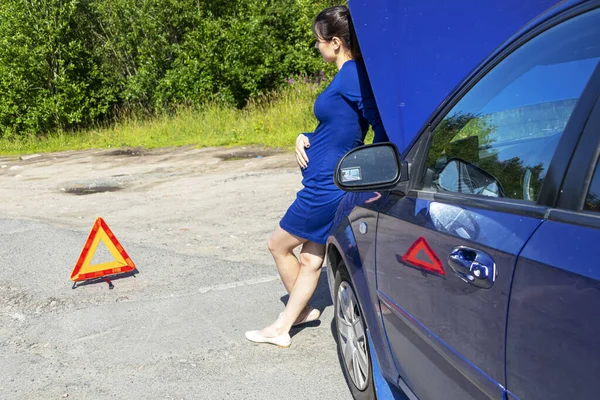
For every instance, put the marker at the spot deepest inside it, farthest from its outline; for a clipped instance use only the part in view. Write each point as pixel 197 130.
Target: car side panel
pixel 446 335
pixel 553 335
pixel 359 258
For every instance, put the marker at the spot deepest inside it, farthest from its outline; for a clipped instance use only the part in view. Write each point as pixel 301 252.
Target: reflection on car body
pixel 472 255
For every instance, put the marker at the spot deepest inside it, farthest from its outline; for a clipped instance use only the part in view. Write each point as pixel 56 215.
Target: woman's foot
pixel 272 334
pixel 309 314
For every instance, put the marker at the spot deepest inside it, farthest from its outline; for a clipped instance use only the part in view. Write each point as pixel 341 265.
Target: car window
pixel 500 137
pixel 592 200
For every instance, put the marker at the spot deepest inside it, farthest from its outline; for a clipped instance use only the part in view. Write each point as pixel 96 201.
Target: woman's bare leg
pixel 282 245
pixel 311 261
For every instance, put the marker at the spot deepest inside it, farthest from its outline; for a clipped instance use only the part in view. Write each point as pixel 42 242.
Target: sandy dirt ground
pixel 195 222
pixel 210 202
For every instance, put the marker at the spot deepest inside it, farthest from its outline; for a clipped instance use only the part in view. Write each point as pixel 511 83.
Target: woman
pixel 344 110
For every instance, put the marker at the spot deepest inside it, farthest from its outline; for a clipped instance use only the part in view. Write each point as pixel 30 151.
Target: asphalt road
pixel 176 329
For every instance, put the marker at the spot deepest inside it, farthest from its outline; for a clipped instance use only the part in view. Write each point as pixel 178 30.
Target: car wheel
pixel 351 338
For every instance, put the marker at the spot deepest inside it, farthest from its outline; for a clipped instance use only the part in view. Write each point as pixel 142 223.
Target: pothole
pixel 244 155
pixel 82 191
pixel 136 152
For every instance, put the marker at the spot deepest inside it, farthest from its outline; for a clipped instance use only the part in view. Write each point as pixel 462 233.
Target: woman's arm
pixel 357 89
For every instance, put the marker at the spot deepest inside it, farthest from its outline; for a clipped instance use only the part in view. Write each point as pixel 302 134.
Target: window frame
pixel 579 175
pixel 557 168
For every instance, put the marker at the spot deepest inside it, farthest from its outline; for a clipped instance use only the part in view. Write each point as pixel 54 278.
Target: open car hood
pixel 417 51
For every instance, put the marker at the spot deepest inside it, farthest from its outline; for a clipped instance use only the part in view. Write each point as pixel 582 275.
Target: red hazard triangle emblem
pixel 429 262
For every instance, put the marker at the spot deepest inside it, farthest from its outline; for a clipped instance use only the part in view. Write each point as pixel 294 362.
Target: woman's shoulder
pixel 351 76
pixel 351 69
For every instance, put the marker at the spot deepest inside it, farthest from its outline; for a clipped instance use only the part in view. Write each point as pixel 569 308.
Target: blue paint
pixel 554 305
pixel 417 52
pixel 343 239
pixel 442 328
pixel 383 389
pixel 436 341
pixel 445 337
pixel 548 247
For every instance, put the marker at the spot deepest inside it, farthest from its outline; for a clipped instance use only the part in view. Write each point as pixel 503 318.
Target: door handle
pixel 473 266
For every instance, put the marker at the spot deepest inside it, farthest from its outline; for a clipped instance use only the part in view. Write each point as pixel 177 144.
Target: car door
pixel 481 181
pixel 553 335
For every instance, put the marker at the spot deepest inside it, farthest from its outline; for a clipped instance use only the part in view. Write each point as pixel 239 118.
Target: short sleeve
pixel 356 88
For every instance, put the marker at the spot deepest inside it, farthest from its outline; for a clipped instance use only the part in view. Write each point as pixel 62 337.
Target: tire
pixel 351 338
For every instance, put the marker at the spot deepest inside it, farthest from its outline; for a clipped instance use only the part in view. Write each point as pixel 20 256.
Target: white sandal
pixel 282 340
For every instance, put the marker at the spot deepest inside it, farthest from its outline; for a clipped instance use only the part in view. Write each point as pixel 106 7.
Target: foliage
pixel 272 120
pixel 461 135
pixel 71 64
pixel 469 138
pixel 49 76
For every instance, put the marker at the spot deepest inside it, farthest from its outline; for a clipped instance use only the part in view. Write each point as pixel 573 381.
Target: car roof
pixel 417 52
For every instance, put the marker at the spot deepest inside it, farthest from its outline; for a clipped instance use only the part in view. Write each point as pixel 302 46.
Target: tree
pixel 67 64
pixel 49 77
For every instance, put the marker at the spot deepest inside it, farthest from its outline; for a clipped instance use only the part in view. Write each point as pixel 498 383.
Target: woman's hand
pixel 301 157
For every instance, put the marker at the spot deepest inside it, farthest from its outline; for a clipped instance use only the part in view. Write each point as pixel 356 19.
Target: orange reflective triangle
pixel 433 264
pixel 101 232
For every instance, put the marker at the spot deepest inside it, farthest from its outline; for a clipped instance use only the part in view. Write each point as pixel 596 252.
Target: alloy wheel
pixel 352 336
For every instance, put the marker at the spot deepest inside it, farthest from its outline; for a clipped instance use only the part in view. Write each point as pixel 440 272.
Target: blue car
pixel 466 263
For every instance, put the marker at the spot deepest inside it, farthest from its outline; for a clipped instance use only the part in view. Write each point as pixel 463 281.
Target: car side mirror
pixel 460 176
pixel 367 168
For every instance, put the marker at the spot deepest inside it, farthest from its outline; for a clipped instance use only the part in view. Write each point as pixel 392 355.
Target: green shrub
pixel 71 64
pixel 49 76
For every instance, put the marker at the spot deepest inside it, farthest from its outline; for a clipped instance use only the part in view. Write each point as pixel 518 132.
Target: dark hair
pixel 336 22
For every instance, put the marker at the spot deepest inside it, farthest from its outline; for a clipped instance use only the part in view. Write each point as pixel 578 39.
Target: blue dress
pixel 344 111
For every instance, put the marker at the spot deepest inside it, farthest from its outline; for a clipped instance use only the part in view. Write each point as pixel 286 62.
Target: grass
pixel 274 120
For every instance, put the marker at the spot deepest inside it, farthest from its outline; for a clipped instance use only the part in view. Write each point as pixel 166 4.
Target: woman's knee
pixel 311 261
pixel 277 247
pixel 272 245
pixel 283 243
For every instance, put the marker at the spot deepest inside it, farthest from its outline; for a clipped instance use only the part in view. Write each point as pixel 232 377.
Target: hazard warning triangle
pixel 430 262
pixel 84 270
